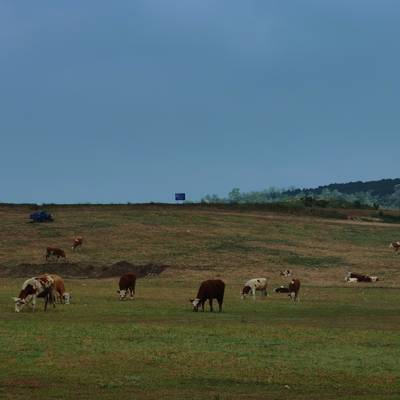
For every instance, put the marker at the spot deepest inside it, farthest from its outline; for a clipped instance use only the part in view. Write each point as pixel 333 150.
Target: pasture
pixel 341 341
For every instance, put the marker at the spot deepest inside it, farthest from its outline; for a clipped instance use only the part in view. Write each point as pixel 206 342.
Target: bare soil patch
pixel 81 270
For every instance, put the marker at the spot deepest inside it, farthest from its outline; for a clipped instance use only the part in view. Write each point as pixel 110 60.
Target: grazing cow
pixel 294 287
pixel 77 242
pixel 285 273
pixel 395 246
pixel 252 285
pixel 54 251
pixel 59 292
pixel 31 289
pixel 354 277
pixel 209 290
pixel 127 283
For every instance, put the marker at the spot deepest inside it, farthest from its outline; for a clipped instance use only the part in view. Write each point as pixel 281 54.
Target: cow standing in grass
pixel 55 252
pixel 59 292
pixel 127 284
pixel 209 290
pixel 31 289
pixel 294 288
pixel 78 241
pixel 252 285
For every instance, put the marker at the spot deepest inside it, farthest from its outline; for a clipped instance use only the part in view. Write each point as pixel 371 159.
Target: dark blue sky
pixel 105 101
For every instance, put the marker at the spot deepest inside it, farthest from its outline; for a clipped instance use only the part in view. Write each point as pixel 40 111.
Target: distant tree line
pixel 325 197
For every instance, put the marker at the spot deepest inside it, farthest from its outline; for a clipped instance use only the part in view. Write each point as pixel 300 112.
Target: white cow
pixel 254 284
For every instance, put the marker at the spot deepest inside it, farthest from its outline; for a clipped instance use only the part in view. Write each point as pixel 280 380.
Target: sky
pixel 134 100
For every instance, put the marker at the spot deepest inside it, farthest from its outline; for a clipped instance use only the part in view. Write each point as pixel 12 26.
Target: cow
pixel 77 242
pixel 395 246
pixel 127 283
pixel 31 289
pixel 252 285
pixel 209 290
pixel 56 252
pixel 59 292
pixel 355 277
pixel 285 273
pixel 294 287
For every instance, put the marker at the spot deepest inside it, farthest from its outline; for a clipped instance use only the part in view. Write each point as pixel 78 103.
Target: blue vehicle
pixel 41 216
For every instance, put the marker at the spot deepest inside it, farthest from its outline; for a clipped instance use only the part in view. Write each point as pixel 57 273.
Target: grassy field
pixel 340 342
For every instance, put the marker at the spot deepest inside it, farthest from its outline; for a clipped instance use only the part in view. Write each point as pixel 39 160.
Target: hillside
pixel 203 239
pixel 380 188
pixel 383 194
pixel 155 347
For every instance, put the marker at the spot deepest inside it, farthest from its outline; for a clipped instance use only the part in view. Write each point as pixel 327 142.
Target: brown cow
pixel 209 290
pixel 127 283
pixel 59 292
pixel 77 242
pixel 56 252
pixel 294 287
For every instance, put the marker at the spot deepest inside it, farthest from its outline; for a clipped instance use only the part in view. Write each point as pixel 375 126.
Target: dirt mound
pixel 81 270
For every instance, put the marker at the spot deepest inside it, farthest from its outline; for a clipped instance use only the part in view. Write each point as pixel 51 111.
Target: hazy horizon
pixel 133 101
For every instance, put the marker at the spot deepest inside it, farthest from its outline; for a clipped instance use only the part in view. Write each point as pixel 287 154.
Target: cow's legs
pixel 211 307
pixel 220 305
pixel 253 291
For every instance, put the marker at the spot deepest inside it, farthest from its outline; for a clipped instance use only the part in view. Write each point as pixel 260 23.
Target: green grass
pixel 327 346
pixel 341 342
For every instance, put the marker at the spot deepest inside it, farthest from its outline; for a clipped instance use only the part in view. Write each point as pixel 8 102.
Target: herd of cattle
pixel 51 287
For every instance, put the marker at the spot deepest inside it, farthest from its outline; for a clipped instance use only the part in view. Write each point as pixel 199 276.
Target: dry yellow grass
pixel 206 242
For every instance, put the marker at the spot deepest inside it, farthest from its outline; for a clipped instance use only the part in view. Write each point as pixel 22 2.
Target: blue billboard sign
pixel 180 196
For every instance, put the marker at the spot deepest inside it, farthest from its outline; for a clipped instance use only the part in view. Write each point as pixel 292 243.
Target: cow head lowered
pixel 195 304
pixel 245 291
pixel 122 293
pixel 127 284
pixel 30 290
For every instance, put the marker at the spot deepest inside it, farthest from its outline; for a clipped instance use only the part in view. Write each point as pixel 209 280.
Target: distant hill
pixel 384 193
pixel 381 188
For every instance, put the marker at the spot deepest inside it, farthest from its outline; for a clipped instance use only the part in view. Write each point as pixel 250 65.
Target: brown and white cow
pixel 127 283
pixel 355 277
pixel 59 292
pixel 209 290
pixel 252 285
pixel 78 241
pixel 55 251
pixel 294 288
pixel 395 246
pixel 31 289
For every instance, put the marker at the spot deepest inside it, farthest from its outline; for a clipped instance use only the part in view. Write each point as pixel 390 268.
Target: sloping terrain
pixel 241 243
pixel 81 270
